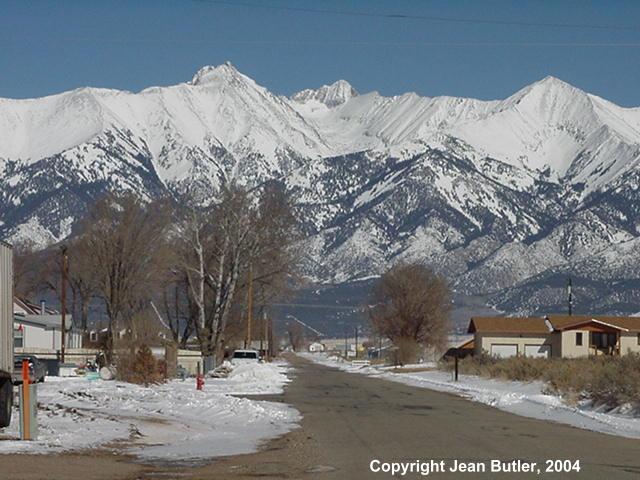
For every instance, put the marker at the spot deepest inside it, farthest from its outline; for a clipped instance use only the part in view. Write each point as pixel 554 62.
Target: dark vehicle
pixel 37 369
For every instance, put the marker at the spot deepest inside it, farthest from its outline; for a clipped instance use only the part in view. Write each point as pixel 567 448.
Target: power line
pixel 296 319
pixel 317 305
pixel 429 18
pixel 352 43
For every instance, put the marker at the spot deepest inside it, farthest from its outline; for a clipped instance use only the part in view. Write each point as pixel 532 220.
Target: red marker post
pixel 199 379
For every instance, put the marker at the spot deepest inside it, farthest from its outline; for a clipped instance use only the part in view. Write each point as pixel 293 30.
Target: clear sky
pixel 47 47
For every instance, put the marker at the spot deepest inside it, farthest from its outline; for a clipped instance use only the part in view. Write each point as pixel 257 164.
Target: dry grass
pixel 406 351
pixel 610 381
pixel 412 369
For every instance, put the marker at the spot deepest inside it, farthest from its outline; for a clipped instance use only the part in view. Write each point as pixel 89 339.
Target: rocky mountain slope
pixel 505 197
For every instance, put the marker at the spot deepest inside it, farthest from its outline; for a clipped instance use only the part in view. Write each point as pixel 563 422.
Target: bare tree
pixel 295 331
pixel 218 244
pixel 82 278
pixel 411 306
pixel 177 307
pixel 277 249
pixel 41 271
pixel 223 243
pixel 125 242
pixel 27 263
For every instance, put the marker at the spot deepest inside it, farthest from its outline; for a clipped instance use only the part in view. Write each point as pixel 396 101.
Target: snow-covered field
pixel 170 422
pixel 522 398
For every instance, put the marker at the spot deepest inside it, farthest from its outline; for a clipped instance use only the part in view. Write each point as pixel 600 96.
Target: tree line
pixel 190 265
pixel 184 263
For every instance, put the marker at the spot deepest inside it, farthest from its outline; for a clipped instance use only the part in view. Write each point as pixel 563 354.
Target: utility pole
pixel 263 333
pixel 346 344
pixel 270 338
pixel 63 301
pixel 356 335
pixel 247 343
pixel 456 364
pixel 569 294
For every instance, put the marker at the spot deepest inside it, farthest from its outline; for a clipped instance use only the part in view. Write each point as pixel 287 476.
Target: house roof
pixel 508 325
pixel 22 305
pixel 49 322
pixel 30 313
pixel 544 325
pixel 566 322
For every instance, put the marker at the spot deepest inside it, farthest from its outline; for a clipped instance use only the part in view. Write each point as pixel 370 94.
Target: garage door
pixel 542 351
pixel 503 351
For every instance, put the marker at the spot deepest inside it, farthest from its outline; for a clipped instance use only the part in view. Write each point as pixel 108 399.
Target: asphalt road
pixel 350 420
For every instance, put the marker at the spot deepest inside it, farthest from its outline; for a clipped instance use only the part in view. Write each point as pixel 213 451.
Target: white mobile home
pixel 38 327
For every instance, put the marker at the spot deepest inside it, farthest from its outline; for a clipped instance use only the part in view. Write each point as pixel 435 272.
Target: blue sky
pixel 47 47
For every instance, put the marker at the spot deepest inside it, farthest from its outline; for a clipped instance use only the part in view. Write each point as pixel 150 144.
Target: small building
pixel 558 336
pixel 316 347
pixel 38 327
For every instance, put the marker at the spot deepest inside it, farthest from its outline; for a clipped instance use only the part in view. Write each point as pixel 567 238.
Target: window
pixel 604 340
pixel 639 339
pixel 578 338
pixel 245 354
pixel 18 338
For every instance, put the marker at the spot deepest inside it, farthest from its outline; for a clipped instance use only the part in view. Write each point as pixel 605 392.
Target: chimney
pixel 43 310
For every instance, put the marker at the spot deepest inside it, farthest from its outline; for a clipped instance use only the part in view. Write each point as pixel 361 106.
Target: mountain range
pixel 507 198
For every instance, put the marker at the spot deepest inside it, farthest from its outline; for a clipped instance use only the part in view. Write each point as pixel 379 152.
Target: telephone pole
pixel 63 302
pixel 346 344
pixel 569 295
pixel 263 334
pixel 247 343
pixel 356 342
pixel 270 347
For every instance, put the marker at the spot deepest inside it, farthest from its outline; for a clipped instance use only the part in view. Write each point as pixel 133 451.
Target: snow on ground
pixel 253 379
pixel 522 398
pixel 169 422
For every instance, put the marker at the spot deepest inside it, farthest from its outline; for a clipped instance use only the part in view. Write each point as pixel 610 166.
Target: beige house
pixel 560 336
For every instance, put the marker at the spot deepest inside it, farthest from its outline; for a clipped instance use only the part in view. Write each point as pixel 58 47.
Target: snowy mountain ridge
pixel 332 95
pixel 493 193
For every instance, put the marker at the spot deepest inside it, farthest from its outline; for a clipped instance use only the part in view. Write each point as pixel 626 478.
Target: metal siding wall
pixel 6 308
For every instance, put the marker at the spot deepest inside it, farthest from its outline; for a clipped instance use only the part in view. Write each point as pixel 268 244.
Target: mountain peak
pixel 209 73
pixel 549 93
pixel 331 95
pixel 551 80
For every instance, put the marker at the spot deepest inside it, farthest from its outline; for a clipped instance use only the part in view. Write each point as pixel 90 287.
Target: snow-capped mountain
pixel 495 194
pixel 329 95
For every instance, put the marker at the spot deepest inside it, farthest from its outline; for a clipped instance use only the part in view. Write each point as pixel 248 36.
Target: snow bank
pixel 255 379
pixel 526 399
pixel 170 422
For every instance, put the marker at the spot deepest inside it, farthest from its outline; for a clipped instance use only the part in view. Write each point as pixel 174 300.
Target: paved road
pixel 351 419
